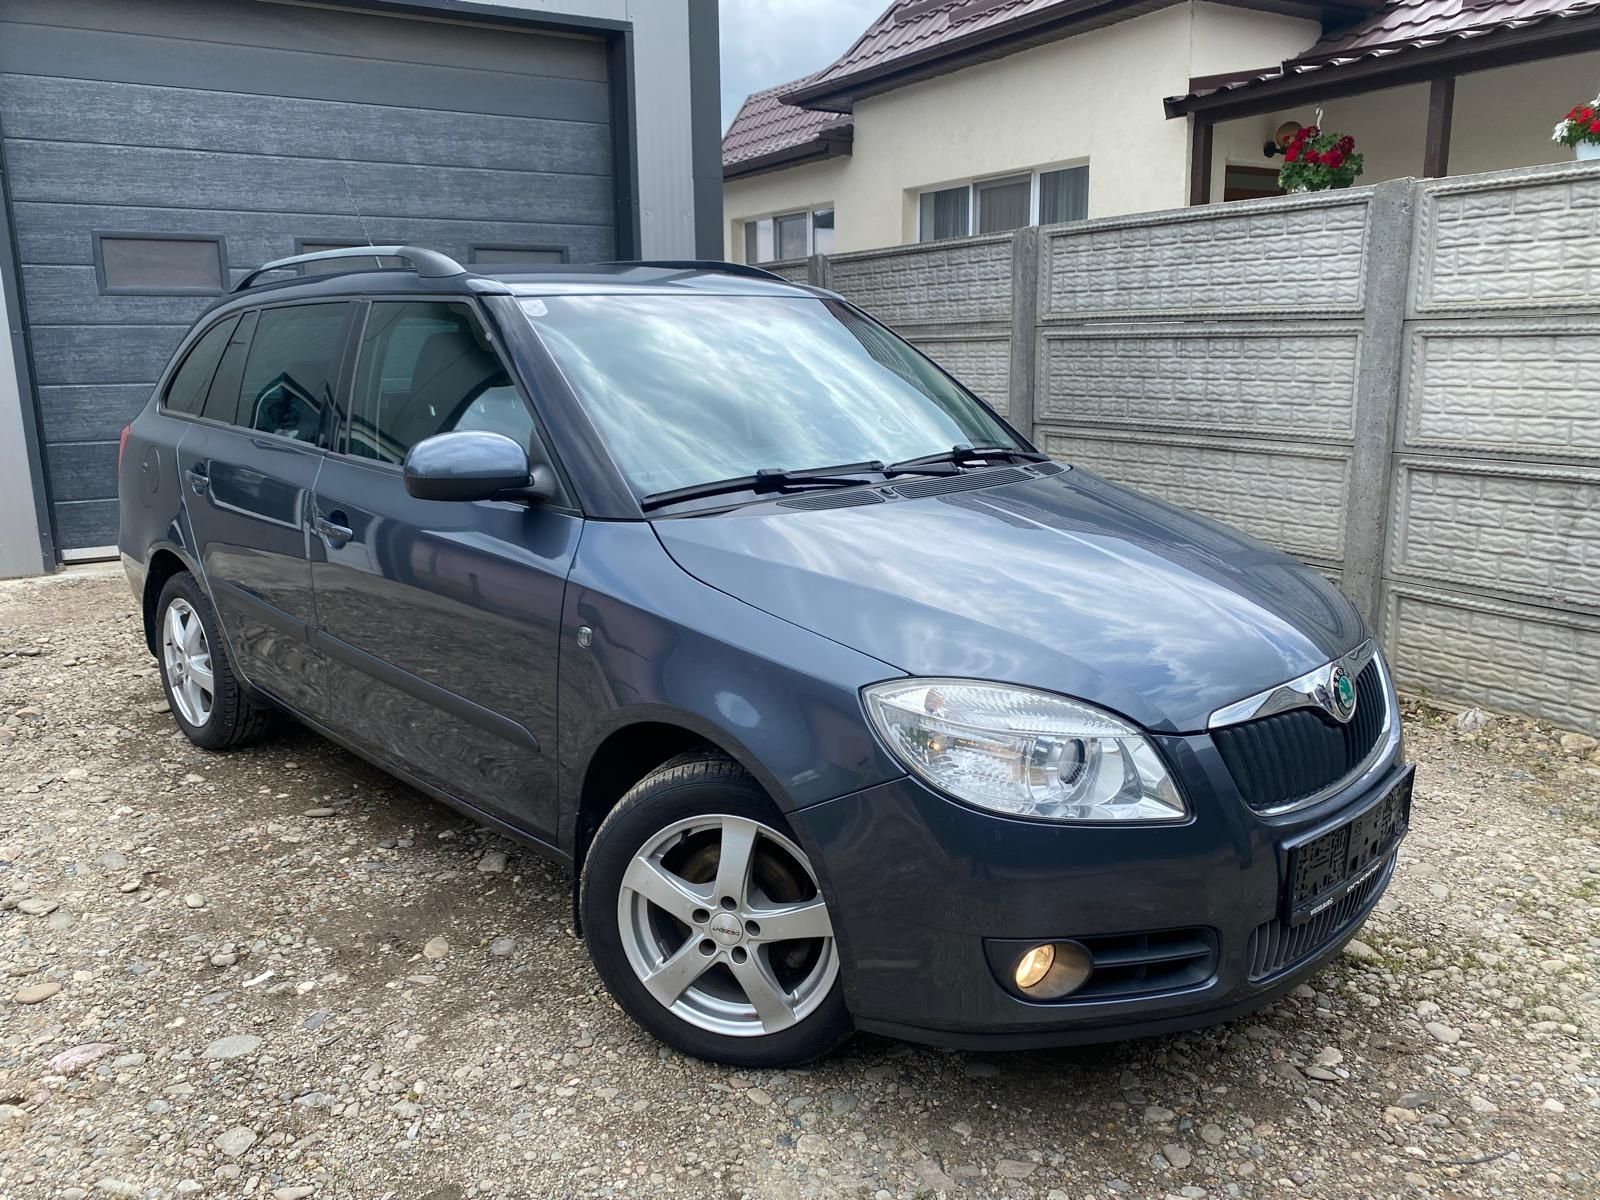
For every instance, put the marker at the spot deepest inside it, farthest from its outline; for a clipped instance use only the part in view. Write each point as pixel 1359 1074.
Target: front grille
pixel 1288 756
pixel 1276 946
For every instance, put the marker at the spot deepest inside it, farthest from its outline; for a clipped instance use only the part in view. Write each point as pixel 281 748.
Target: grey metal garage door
pixel 156 148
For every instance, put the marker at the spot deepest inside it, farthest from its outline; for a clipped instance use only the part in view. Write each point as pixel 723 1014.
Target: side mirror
pixel 475 465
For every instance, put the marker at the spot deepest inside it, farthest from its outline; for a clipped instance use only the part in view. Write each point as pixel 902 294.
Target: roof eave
pixel 1551 38
pixel 1080 16
pixel 816 150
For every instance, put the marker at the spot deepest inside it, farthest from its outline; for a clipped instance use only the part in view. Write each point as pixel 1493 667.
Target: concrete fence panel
pixel 1398 384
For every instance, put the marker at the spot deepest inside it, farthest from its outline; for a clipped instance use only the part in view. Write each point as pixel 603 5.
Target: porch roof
pixel 1405 41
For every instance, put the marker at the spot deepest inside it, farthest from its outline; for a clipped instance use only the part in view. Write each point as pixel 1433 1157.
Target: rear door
pixel 247 469
pixel 441 620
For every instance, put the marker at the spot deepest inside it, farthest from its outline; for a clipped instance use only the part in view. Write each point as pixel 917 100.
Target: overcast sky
pixel 767 42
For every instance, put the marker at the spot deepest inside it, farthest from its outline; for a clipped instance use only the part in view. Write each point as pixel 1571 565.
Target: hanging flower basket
pixel 1315 161
pixel 1580 129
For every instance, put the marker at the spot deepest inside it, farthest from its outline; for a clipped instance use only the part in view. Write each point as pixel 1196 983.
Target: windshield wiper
pixel 768 480
pixel 961 456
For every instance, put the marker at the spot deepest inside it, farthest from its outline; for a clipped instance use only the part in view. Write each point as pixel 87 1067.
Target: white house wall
pixel 1092 98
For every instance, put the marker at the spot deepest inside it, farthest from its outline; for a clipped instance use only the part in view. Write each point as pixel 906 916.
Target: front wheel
pixel 706 922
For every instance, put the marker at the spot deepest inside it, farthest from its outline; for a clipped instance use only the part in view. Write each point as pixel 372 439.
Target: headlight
pixel 1021 752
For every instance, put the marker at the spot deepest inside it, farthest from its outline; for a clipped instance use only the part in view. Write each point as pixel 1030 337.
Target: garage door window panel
pixel 187 391
pixel 428 368
pixel 153 264
pixel 487 256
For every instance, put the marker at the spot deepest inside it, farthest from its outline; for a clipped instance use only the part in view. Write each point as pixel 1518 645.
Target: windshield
pixel 686 390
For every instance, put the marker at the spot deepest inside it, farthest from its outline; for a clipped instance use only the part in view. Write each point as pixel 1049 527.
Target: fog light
pixel 1052 970
pixel 1033 965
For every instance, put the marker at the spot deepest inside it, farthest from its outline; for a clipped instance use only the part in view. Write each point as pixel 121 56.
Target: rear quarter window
pixel 186 392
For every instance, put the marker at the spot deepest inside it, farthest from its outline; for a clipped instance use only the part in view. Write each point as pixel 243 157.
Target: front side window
pixel 187 391
pixel 290 374
pixel 427 367
pixel 688 390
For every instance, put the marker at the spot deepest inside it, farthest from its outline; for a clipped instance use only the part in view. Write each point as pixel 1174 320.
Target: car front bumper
pixel 919 885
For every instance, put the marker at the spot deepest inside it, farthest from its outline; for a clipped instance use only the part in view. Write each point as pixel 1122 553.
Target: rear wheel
pixel 705 919
pixel 206 698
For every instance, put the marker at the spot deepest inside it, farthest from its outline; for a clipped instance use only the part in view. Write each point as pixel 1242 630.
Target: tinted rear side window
pixel 293 365
pixel 428 368
pixel 187 391
pixel 222 399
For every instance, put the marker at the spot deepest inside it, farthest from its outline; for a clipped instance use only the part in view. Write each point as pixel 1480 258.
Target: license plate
pixel 1330 866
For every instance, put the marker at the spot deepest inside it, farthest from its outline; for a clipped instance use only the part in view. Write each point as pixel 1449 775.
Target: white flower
pixel 1561 131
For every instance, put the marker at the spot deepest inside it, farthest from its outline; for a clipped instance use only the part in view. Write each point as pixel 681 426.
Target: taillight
pixel 122 444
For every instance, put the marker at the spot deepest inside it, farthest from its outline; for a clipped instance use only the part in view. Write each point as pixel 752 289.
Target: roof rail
pixel 429 264
pixel 706 264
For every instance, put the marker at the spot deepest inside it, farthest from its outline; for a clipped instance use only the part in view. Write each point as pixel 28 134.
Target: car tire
pixel 207 700
pixel 703 975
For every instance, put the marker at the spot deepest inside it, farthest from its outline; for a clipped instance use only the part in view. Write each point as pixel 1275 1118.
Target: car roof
pixel 533 279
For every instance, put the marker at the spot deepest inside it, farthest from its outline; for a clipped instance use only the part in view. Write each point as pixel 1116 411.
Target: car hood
pixel 1067 583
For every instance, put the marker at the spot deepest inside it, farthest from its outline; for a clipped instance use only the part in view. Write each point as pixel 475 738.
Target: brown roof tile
pixel 767 132
pixel 913 32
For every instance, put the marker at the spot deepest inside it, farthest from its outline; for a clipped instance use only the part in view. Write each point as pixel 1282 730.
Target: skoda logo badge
pixel 1342 693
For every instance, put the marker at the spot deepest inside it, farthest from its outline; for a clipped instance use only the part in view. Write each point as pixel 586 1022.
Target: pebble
pixel 1212 1135
pixel 435 948
pixel 37 993
pixel 1357 949
pixel 320 812
pixel 234 1046
pixel 194 900
pixel 493 862
pixel 37 906
pixel 235 1141
pixel 503 947
pixel 299 1192
pixel 1177 1155
pixel 1441 1032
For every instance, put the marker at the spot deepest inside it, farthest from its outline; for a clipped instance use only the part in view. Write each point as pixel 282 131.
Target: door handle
pixel 333 529
pixel 198 479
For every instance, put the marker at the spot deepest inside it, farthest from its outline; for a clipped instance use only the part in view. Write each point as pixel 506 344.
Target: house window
pixel 1007 202
pixel 155 264
pixel 945 214
pixel 1063 195
pixel 822 231
pixel 1004 203
pixel 789 235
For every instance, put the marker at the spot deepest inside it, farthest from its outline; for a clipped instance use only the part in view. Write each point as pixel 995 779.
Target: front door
pixel 440 621
pixel 248 470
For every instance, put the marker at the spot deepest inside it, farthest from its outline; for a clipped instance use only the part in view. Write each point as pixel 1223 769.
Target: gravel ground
pixel 279 973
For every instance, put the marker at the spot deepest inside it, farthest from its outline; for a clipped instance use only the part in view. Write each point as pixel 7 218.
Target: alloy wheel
pixel 723 922
pixel 186 658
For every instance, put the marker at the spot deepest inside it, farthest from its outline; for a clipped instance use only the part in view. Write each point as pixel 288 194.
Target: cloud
pixel 767 42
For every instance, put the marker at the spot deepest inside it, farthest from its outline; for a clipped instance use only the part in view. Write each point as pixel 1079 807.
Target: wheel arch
pixel 164 562
pixel 631 749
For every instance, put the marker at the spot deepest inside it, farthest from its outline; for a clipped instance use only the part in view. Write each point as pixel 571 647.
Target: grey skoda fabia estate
pixel 848 708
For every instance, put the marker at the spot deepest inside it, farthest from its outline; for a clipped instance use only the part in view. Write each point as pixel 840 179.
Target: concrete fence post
pixel 1377 401
pixel 1024 375
pixel 819 271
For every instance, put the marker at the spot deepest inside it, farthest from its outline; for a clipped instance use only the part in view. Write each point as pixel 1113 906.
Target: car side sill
pixel 499 824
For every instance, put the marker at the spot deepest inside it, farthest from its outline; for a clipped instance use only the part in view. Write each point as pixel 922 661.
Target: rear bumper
pixel 918 885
